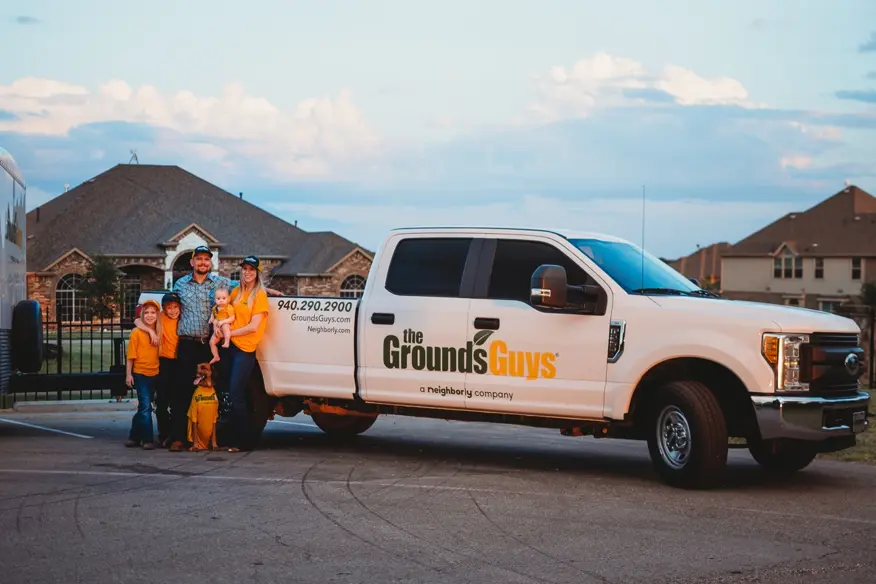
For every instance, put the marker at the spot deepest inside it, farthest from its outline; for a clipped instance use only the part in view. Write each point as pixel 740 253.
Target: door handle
pixel 383 318
pixel 486 323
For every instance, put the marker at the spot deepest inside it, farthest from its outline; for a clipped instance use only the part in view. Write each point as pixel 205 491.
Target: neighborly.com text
pixel 331 330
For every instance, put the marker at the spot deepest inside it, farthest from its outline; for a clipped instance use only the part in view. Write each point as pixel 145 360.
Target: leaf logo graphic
pixel 481 337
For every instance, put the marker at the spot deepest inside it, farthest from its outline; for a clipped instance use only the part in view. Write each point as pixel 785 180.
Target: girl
pixel 250 303
pixel 167 342
pixel 142 373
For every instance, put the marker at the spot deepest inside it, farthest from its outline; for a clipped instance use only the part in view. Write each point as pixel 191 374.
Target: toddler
pixel 221 319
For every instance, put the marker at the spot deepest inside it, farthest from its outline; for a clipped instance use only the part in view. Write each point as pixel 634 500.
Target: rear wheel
pixel 782 457
pixel 687 435
pixel 342 426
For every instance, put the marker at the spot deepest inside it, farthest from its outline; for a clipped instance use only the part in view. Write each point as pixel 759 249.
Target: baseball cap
pixel 152 302
pixel 170 297
pixel 202 249
pixel 251 261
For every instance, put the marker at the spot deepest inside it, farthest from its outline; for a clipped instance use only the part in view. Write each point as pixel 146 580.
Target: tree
pixel 102 288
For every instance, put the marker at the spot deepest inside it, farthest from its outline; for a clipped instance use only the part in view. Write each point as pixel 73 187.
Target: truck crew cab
pixel 584 333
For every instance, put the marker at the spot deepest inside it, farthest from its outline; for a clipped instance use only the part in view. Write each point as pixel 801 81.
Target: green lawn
pixel 81 356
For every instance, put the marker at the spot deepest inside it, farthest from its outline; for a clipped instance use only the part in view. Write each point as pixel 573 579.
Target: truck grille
pixel 823 364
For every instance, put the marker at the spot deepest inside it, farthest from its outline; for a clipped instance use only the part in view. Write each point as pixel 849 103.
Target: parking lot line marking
pixel 293 423
pixel 8 421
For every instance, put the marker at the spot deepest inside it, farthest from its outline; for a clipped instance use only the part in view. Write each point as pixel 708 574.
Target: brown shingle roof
pixel 841 225
pixel 134 209
pixel 703 264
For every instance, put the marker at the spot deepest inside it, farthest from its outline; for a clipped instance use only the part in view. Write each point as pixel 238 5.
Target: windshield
pixel 624 263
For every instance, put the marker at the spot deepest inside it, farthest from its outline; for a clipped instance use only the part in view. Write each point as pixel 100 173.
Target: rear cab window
pixel 431 266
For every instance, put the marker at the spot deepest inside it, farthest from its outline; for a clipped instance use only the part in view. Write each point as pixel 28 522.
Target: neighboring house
pixel 148 218
pixel 817 258
pixel 703 264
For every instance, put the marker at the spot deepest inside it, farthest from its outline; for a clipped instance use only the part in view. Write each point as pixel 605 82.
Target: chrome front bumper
pixel 810 418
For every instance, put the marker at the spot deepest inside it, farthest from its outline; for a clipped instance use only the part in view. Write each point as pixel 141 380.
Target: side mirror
pixel 696 282
pixel 548 286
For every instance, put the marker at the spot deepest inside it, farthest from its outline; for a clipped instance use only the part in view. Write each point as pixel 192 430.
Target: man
pixel 196 292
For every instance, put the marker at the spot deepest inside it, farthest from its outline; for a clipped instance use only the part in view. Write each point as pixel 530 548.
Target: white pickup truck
pixel 583 333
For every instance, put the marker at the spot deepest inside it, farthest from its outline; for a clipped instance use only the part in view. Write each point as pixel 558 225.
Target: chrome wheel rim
pixel 673 437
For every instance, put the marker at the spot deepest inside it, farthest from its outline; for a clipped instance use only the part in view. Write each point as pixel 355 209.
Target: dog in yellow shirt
pixel 203 411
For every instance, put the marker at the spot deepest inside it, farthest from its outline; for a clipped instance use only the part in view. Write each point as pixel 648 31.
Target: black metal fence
pixel 81 360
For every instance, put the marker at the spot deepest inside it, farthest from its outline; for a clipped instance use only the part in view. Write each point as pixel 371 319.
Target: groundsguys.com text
pixel 322 318
pixel 444 391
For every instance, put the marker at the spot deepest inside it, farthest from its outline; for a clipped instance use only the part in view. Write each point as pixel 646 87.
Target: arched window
pixel 69 301
pixel 130 287
pixel 352 286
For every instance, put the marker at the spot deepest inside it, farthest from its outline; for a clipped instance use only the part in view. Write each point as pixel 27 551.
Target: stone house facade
pixel 147 218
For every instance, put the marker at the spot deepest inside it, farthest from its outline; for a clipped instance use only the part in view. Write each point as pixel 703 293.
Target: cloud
pixel 25 20
pixel 606 80
pixel 871 75
pixel 866 96
pixel 320 136
pixel 868 46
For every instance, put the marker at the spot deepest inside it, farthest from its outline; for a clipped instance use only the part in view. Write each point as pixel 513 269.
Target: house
pixel 818 258
pixel 704 264
pixel 148 218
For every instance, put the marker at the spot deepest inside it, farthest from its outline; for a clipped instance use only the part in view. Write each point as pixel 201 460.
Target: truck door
pixel 415 326
pixel 536 363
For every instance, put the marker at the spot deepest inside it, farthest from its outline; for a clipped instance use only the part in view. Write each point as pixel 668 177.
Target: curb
pixel 74 405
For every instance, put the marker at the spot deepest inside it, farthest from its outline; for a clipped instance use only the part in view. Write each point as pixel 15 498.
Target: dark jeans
pixel 167 377
pixel 188 354
pixel 235 368
pixel 141 424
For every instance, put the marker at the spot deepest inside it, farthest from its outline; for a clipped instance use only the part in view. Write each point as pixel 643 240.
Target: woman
pixel 250 302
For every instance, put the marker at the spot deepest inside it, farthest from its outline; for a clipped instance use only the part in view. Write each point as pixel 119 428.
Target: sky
pixel 689 122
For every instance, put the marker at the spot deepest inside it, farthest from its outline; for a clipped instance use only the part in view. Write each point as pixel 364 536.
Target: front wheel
pixel 687 435
pixel 782 457
pixel 342 426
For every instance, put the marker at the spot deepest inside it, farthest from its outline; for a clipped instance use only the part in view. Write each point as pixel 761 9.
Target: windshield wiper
pixel 674 292
pixel 668 291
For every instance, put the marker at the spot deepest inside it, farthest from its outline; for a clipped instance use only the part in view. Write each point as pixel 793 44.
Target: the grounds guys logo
pixel 478 356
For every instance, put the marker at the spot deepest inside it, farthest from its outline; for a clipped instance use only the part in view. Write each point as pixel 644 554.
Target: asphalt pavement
pixel 410 501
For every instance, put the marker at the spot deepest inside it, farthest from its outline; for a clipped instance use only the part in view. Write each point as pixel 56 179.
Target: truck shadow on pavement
pixel 607 459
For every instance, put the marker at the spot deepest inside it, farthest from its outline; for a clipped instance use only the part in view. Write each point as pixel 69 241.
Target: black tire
pixel 782 457
pixel 696 413
pixel 339 426
pixel 27 336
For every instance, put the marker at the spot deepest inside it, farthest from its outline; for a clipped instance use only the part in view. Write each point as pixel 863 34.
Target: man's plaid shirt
pixel 197 302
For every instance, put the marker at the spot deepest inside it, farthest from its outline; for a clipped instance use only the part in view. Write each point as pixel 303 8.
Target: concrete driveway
pixel 410 501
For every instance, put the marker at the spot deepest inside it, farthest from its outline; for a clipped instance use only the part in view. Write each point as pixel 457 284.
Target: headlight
pixel 782 352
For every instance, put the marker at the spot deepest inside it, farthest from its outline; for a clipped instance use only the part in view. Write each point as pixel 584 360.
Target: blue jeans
pixel 141 424
pixel 236 367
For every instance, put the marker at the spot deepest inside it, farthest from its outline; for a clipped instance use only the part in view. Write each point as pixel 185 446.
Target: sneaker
pixel 131 443
pixel 149 446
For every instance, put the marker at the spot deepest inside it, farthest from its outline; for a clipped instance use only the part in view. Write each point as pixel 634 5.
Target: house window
pixel 235 275
pixel 130 287
pixel 819 268
pixel 856 268
pixel 70 304
pixel 788 266
pixel 829 305
pixel 792 301
pixel 352 287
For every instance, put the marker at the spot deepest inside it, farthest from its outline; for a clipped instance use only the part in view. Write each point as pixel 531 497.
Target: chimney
pixel 296 223
pixel 240 195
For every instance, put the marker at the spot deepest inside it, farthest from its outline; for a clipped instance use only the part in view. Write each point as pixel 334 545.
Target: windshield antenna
pixel 643 236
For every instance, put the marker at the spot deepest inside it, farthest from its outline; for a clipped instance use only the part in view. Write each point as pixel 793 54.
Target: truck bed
pixel 309 347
